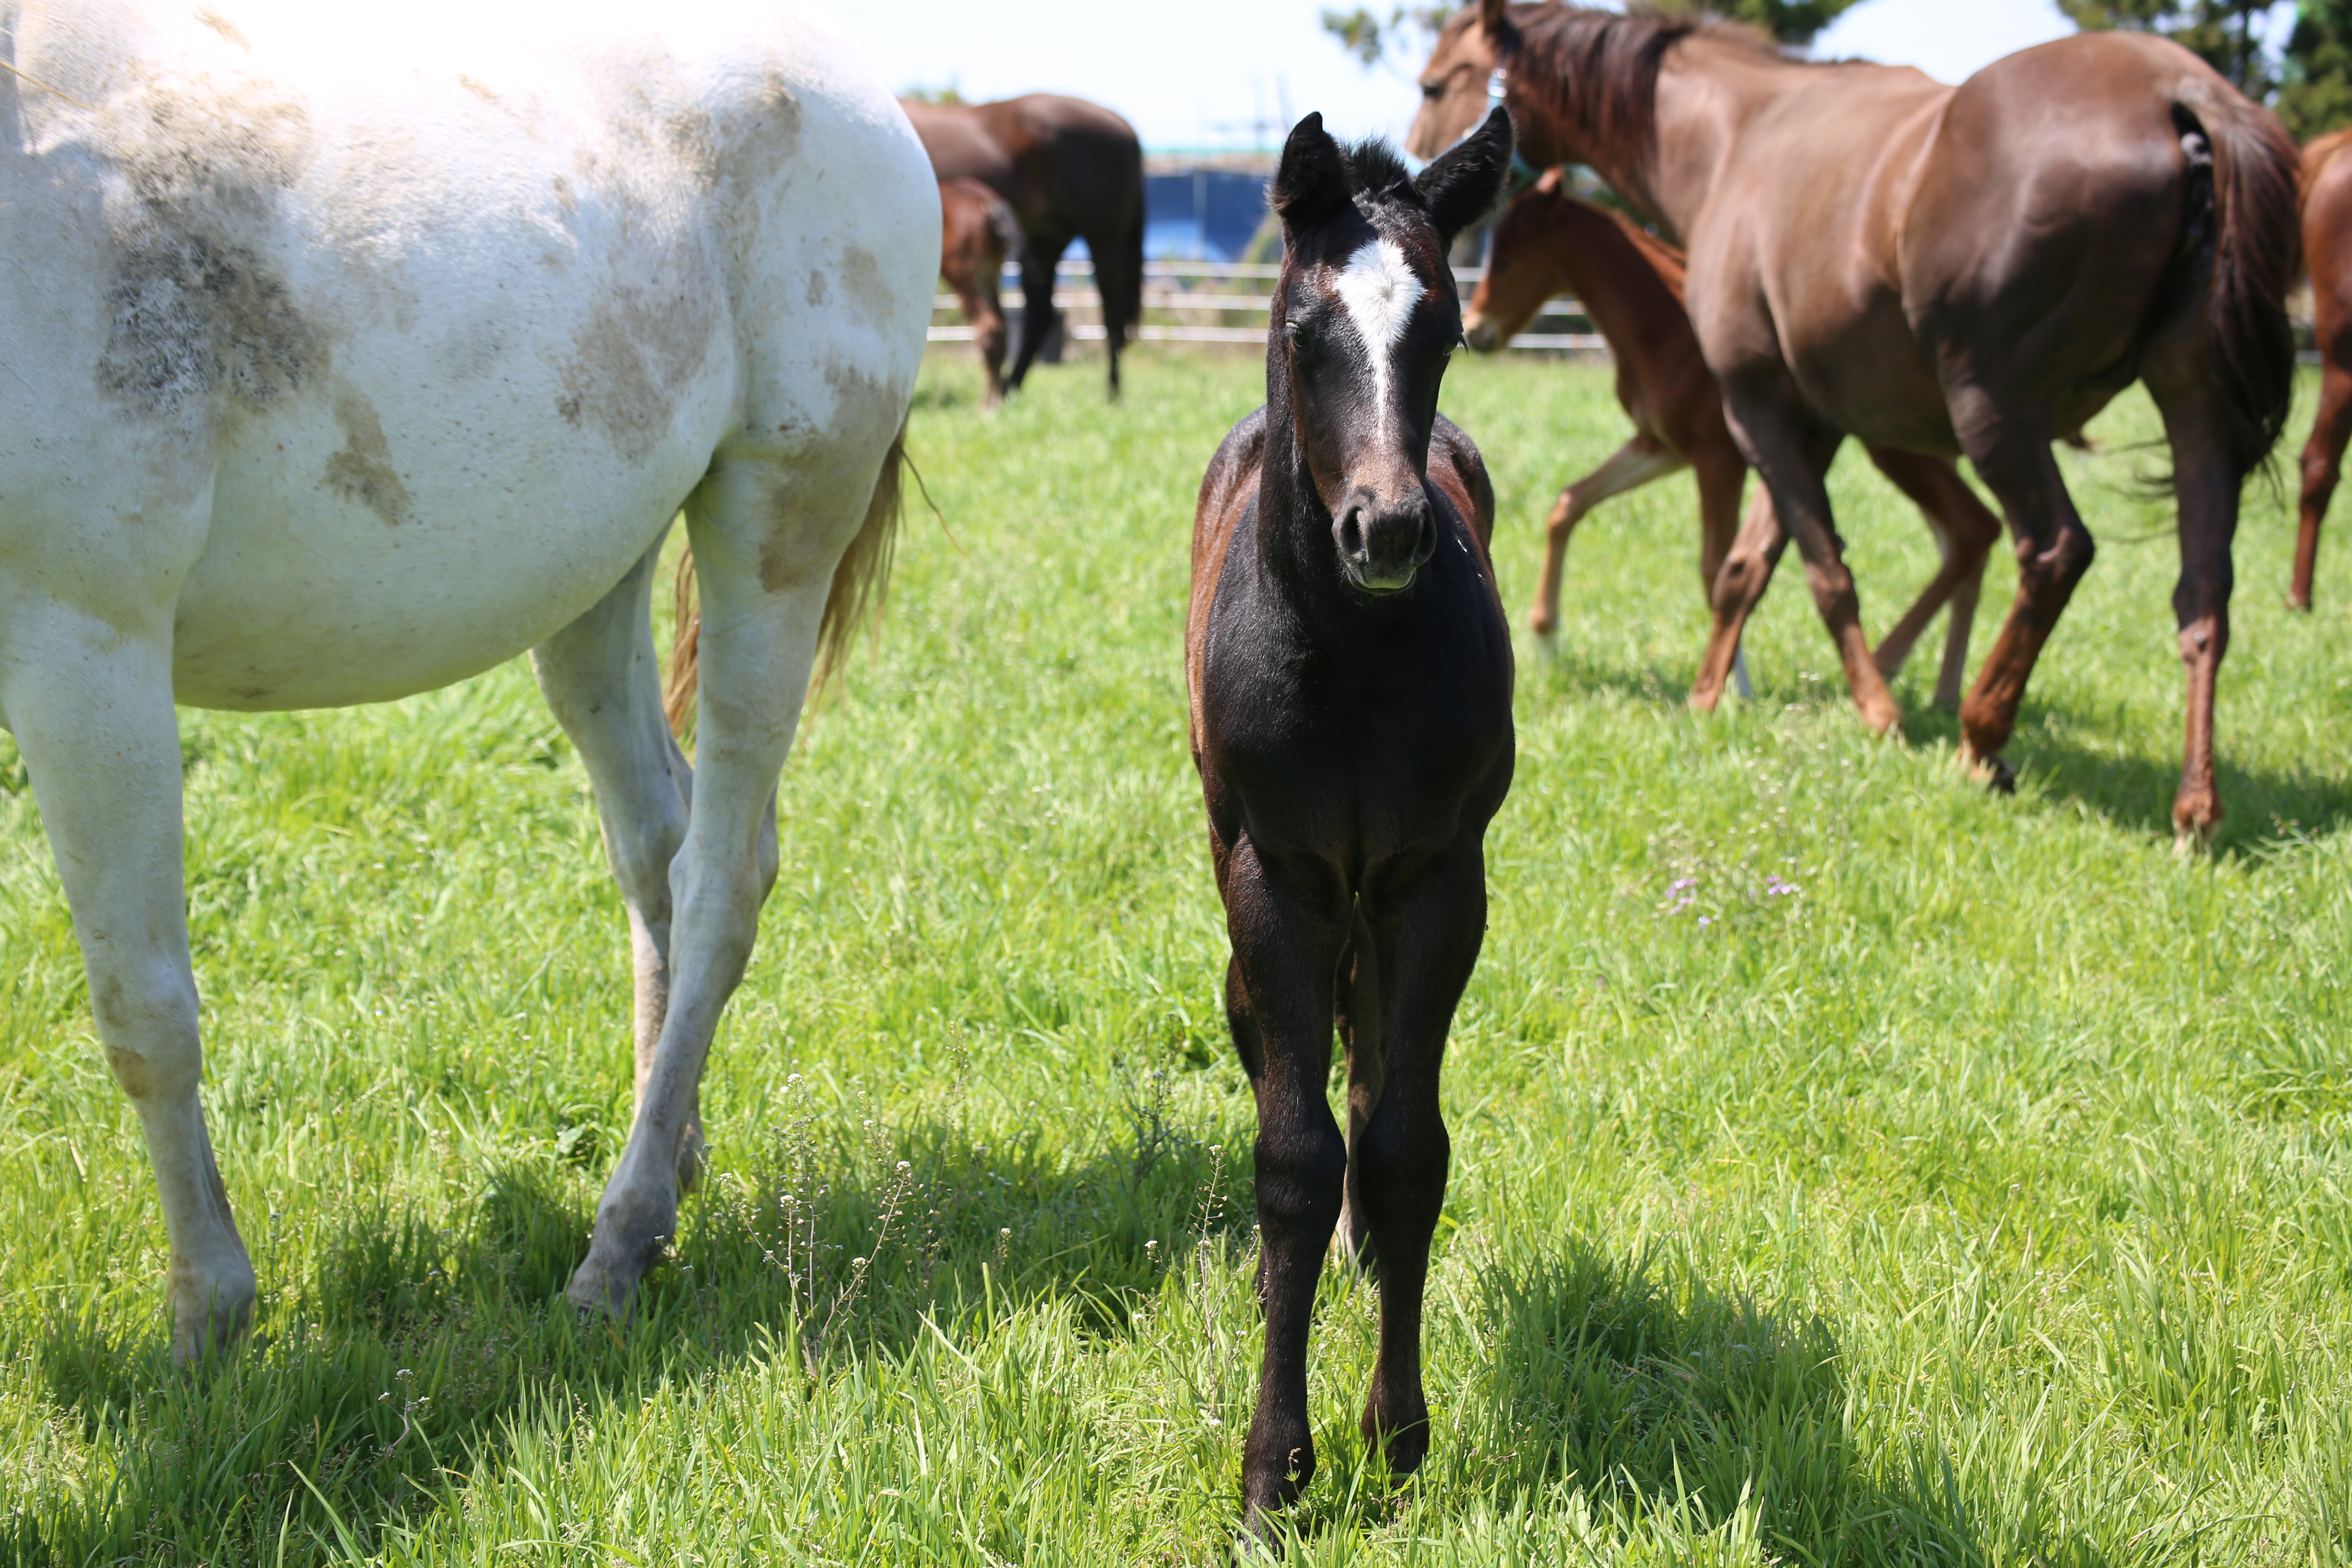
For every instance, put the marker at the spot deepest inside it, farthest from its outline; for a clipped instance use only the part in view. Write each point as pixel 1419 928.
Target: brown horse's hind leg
pixel 1629 468
pixel 1739 584
pixel 2206 479
pixel 2323 460
pixel 2053 550
pixel 1966 531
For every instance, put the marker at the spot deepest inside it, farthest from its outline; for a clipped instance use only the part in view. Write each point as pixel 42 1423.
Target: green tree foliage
pixel 2318 93
pixel 2220 31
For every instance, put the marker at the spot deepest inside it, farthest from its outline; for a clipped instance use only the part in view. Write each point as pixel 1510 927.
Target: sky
pixel 1214 73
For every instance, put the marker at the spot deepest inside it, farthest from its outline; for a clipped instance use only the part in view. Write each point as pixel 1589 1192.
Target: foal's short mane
pixel 1596 72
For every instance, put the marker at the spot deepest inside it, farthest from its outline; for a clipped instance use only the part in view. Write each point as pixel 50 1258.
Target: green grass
pixel 1988 1200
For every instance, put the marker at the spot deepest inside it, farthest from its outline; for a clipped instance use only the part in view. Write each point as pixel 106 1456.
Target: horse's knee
pixel 1301 1177
pixel 147 1016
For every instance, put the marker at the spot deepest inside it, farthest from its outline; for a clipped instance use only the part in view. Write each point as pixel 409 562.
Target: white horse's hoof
pixel 212 1311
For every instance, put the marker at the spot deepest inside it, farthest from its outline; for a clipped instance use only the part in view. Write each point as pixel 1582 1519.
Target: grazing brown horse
pixel 1071 170
pixel 1954 271
pixel 1631 285
pixel 1350 678
pixel 977 232
pixel 2327 256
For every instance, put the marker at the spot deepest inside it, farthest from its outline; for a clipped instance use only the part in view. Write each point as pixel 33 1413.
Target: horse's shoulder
pixel 1228 492
pixel 1459 472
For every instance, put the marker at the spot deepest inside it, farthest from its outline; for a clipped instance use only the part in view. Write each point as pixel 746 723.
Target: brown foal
pixel 977 232
pixel 1631 285
pixel 1973 270
pixel 2327 256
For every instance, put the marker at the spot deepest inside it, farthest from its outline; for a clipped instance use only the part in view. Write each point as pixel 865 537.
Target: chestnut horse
pixel 2328 255
pixel 1953 270
pixel 1631 285
pixel 1071 170
pixel 977 232
pixel 1350 670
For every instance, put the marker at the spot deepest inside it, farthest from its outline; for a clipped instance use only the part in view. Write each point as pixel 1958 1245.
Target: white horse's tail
pixel 860 583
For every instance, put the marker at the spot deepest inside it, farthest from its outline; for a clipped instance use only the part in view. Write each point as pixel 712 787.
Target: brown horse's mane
pixel 1596 72
pixel 2317 155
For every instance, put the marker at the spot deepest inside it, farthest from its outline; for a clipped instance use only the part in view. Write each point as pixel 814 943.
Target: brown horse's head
pixel 1366 315
pixel 1453 85
pixel 1522 269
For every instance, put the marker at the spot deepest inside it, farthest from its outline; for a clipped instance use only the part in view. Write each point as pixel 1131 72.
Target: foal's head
pixel 1523 267
pixel 1366 315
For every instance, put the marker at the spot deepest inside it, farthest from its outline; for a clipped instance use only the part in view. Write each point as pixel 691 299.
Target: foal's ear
pixel 1312 182
pixel 1461 185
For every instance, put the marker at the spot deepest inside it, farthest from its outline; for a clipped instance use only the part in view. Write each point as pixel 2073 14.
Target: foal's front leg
pixel 1426 928
pixel 90 705
pixel 1287 923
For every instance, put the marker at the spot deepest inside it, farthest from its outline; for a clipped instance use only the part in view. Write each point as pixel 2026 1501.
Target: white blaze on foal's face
pixel 1380 293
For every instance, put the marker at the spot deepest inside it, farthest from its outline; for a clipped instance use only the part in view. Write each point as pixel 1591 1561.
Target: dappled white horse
pixel 354 349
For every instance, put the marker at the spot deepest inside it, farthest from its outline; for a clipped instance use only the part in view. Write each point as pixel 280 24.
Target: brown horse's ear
pixel 1312 182
pixel 1460 187
pixel 1490 16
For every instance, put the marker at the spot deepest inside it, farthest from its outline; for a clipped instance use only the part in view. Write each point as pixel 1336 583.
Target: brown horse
pixel 977 232
pixel 1954 271
pixel 2328 255
pixel 1071 170
pixel 1349 669
pixel 1631 285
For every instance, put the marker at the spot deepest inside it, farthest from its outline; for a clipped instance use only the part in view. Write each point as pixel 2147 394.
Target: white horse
pixel 351 350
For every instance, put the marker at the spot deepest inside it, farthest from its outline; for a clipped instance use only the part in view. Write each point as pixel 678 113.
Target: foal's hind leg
pixel 766 535
pixel 1966 531
pixel 602 680
pixel 1629 468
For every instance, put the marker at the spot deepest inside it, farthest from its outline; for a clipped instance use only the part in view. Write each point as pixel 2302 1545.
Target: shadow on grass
pixel 1670 1412
pixel 2134 790
pixel 408 1356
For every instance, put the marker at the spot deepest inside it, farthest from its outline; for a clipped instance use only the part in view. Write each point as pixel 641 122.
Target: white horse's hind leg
pixel 91 709
pixel 603 680
pixel 766 537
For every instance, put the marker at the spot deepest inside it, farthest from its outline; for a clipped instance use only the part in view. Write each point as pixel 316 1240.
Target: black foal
pixel 1350 678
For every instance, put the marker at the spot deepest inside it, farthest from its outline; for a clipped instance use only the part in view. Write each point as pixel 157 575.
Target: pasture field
pixel 1850 1167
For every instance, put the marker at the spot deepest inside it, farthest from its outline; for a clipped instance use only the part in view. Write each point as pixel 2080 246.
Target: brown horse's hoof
pixel 1991 772
pixel 2298 602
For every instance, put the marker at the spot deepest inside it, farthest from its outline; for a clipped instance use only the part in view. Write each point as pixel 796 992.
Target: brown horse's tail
pixel 2246 181
pixel 860 580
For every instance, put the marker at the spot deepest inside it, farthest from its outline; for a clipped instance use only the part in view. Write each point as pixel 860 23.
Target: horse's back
pixel 401 340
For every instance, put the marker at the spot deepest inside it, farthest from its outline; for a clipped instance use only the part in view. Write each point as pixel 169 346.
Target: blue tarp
pixel 1203 214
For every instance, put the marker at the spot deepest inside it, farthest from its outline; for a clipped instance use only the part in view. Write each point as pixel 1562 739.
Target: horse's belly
pixel 302 599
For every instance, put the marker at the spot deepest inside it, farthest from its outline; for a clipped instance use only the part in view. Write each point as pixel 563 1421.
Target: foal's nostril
pixel 1351 533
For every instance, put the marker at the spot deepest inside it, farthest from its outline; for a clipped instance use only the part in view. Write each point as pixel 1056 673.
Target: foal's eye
pixel 1302 339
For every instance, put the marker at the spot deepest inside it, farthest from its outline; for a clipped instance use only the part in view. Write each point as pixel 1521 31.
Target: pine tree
pixel 2318 95
pixel 2220 31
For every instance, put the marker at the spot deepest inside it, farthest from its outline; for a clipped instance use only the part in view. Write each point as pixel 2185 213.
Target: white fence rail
pixel 1200 297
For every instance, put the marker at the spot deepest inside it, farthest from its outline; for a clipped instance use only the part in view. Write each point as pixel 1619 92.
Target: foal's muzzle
pixel 1384 539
